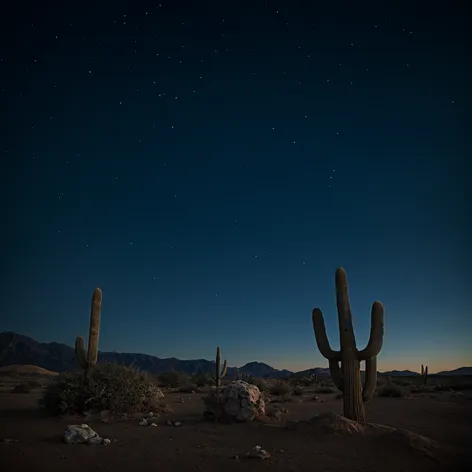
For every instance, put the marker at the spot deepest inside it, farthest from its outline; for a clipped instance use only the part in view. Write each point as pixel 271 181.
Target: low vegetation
pixel 115 388
pixel 390 390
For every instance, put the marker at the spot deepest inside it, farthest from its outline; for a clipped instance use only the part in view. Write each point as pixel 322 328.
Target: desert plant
pixel 173 379
pixel 297 391
pixel 424 374
pixel 88 362
pixel 245 377
pixel 219 374
pixel 201 380
pixel 116 388
pixel 261 384
pixel 188 388
pixel 280 388
pixel 390 390
pixel 348 378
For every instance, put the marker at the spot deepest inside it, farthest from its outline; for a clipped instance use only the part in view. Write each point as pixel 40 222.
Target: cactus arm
pixel 376 333
pixel 336 376
pixel 225 368
pixel 80 352
pixel 322 338
pixel 370 382
pixel 94 331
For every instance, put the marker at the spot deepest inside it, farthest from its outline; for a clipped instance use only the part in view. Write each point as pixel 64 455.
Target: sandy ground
pixel 200 445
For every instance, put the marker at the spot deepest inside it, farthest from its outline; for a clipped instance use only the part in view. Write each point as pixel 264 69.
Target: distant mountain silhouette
pixel 400 373
pixel 16 349
pixel 259 369
pixel 459 371
pixel 318 371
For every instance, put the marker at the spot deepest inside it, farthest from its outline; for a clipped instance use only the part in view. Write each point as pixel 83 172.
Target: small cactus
pixel 347 378
pixel 424 373
pixel 219 373
pixel 88 362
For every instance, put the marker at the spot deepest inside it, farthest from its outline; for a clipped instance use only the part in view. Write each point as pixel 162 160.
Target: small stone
pixel 106 442
pixel 143 422
pixel 154 425
pixel 151 413
pixel 177 423
pixel 169 423
pixel 258 453
pixel 8 441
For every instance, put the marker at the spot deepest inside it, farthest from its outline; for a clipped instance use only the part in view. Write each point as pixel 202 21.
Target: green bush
pixel 202 380
pixel 280 388
pixel 116 388
pixel 390 390
pixel 173 379
pixel 261 384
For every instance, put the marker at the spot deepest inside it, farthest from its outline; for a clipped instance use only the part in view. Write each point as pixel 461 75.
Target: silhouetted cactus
pixel 219 373
pixel 424 373
pixel 87 362
pixel 347 378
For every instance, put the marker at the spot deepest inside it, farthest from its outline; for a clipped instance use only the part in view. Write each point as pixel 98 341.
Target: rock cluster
pixel 237 401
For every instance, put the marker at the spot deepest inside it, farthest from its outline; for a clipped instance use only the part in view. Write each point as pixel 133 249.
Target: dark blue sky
pixel 209 166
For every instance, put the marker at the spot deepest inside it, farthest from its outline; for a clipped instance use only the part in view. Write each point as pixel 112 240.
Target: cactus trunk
pixel 88 362
pixel 219 374
pixel 348 378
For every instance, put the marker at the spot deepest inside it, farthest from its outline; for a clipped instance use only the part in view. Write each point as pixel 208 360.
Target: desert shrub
pixel 325 390
pixel 285 398
pixel 454 385
pixel 189 388
pixel 261 384
pixel 173 379
pixel 297 391
pixel 201 379
pixel 307 381
pixel 280 388
pixel 390 390
pixel 116 388
pixel 403 382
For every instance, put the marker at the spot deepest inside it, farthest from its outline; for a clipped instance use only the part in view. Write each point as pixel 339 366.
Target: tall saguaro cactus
pixel 219 373
pixel 424 373
pixel 348 378
pixel 88 362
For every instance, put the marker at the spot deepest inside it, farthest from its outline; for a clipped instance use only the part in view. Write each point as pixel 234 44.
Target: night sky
pixel 209 165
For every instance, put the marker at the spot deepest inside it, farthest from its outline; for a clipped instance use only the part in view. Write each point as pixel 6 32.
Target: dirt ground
pixel 444 417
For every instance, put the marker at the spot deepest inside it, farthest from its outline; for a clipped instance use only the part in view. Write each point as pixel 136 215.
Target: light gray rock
pixel 83 434
pixel 237 401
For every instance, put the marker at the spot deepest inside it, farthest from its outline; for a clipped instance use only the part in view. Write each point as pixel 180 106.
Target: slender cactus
pixel 424 373
pixel 88 362
pixel 347 377
pixel 219 373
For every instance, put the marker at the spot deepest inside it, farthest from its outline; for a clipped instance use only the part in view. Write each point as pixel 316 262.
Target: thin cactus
pixel 219 373
pixel 424 373
pixel 347 377
pixel 88 362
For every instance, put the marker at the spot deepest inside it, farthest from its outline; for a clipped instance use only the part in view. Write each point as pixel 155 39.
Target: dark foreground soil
pixel 445 418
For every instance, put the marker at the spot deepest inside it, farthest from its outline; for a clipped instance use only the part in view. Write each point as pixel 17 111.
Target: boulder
pixel 83 434
pixel 237 401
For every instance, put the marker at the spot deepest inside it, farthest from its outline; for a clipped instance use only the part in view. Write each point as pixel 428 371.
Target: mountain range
pixel 22 350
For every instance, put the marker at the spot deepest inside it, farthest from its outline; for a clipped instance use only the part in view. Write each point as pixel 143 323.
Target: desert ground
pixel 32 441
